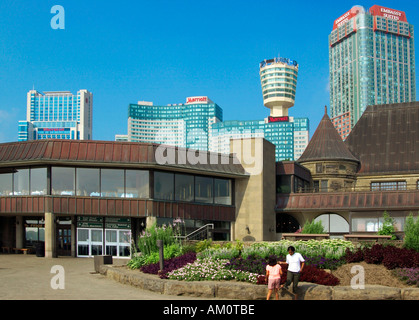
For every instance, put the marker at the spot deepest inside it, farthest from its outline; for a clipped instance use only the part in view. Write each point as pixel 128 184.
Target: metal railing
pixel 202 233
pixel 383 188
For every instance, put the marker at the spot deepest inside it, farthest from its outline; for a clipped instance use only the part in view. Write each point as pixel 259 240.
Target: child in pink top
pixel 273 276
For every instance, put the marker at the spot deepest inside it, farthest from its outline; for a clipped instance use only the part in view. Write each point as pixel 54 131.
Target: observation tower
pixel 278 77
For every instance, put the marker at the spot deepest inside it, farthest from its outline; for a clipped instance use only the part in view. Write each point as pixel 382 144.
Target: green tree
pixel 411 231
pixel 387 229
pixel 312 227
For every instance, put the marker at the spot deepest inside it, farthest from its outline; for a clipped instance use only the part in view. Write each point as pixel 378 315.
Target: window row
pixel 190 188
pixel 77 181
pixel 121 183
pixel 388 185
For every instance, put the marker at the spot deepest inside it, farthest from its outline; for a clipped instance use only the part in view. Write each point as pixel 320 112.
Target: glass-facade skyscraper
pixel 371 62
pixel 57 115
pixel 184 125
pixel 290 137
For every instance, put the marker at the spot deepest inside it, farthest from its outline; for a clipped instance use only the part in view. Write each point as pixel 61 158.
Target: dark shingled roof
pixel 326 144
pixel 386 139
pixel 112 154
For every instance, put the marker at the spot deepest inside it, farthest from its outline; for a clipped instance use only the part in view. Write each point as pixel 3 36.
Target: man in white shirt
pixel 295 263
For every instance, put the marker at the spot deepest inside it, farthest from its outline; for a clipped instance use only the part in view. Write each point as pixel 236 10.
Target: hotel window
pixel 184 187
pixel 34 231
pixel 163 185
pixel 38 181
pixel 112 183
pixel 388 185
pixel 319 168
pixel 62 181
pixel 6 184
pixel 324 185
pixel 222 191
pixel 137 184
pixel 21 182
pixel 204 189
pixel 88 184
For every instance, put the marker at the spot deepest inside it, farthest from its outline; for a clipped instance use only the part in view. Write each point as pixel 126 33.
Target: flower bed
pixel 327 248
pixel 408 275
pixel 310 273
pixel 169 265
pixel 249 264
pixel 209 269
pixel 391 257
pixel 239 263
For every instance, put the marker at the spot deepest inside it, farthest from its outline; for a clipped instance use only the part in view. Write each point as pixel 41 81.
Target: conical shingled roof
pixel 326 144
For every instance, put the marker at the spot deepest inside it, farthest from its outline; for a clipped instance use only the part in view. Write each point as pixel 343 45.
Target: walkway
pixel 27 277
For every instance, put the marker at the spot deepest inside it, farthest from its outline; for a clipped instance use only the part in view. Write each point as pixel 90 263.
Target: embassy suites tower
pixel 371 62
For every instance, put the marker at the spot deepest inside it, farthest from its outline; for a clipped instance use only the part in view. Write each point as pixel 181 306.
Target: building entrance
pixel 64 240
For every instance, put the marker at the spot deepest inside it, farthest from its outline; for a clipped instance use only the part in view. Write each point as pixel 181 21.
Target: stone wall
pixel 247 291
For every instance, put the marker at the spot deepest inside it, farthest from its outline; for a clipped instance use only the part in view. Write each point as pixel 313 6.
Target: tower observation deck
pixel 278 77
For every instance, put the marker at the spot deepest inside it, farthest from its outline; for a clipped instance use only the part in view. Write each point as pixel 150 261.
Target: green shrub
pixel 171 251
pixel 411 230
pixel 387 229
pixel 148 252
pixel 147 241
pixel 203 245
pixel 313 227
pixel 217 254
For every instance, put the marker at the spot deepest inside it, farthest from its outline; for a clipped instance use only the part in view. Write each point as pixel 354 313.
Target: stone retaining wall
pixel 247 291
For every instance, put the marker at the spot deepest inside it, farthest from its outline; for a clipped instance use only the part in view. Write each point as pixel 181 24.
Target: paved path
pixel 27 277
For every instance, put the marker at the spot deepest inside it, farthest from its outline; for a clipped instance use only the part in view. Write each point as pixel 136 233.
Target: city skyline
pixel 164 51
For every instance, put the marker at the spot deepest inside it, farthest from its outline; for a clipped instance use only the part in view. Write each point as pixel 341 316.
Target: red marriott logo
pixel 197 100
pixel 279 119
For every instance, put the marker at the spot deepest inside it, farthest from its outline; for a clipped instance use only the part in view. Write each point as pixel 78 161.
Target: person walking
pixel 273 278
pixel 295 263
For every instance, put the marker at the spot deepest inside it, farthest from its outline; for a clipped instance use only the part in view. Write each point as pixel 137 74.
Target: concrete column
pixel 149 221
pixel 73 237
pixel 20 236
pixel 50 236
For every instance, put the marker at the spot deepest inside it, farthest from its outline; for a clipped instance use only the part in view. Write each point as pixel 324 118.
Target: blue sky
pixel 164 51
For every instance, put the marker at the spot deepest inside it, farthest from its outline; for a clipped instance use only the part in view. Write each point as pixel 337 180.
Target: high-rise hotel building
pixel 57 115
pixel 371 62
pixel 289 135
pixel 184 125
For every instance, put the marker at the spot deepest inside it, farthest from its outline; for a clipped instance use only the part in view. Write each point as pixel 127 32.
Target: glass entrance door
pixel 96 242
pixel 112 242
pixel 118 243
pixel 89 242
pixel 64 240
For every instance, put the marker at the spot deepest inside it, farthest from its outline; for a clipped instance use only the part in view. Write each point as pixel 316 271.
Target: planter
pixel 304 236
